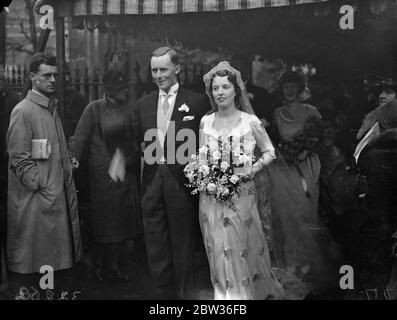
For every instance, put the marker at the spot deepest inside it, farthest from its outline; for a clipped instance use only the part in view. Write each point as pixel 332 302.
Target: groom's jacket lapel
pixel 176 114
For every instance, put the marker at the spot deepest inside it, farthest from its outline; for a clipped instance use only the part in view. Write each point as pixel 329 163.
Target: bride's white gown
pixel 234 240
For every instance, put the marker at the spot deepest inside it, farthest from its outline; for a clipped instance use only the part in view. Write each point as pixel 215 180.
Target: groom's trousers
pixel 170 219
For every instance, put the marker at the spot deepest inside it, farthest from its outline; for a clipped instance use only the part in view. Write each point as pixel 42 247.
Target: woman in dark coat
pixel 106 129
pixel 376 226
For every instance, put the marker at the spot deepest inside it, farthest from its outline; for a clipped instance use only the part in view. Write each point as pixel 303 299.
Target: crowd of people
pixel 281 228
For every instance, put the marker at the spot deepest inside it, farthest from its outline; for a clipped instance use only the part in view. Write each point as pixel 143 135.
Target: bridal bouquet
pixel 210 173
pixel 316 137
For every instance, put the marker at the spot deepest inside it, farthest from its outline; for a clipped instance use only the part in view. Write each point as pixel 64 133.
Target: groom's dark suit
pixel 170 213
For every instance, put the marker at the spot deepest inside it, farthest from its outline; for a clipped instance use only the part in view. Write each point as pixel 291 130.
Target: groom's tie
pixel 166 105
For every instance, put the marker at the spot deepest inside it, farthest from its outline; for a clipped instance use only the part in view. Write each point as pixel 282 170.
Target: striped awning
pixel 142 7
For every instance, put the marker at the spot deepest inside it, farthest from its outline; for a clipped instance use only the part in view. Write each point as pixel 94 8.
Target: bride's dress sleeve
pixel 264 145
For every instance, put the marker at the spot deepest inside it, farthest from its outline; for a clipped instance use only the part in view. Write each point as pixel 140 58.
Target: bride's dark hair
pixel 233 80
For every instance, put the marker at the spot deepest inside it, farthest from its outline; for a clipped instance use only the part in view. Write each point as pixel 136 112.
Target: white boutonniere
pixel 188 118
pixel 183 108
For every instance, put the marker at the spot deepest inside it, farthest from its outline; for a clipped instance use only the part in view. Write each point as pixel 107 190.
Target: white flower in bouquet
pixel 216 155
pixel 211 188
pixel 204 169
pixel 234 178
pixel 203 150
pixel 243 158
pixel 190 167
pixel 224 165
pixel 225 191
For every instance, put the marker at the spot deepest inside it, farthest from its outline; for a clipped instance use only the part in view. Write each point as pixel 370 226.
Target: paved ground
pixel 77 283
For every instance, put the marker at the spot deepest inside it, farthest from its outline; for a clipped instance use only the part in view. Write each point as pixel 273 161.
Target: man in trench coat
pixel 43 223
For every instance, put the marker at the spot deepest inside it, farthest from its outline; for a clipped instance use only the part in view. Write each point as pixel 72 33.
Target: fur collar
pixel 367 124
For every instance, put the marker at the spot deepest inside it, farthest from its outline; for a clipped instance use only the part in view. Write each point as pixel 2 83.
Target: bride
pixel 234 240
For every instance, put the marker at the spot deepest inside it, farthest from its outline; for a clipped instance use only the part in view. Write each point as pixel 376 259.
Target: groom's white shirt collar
pixel 173 90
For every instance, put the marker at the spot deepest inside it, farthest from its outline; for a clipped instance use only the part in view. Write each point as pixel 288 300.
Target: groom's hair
pixel 164 50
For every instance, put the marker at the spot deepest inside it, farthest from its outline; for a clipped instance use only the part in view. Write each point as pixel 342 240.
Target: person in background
pixel 105 129
pixel 373 240
pixel 43 223
pixel 303 244
pixel 385 92
pixel 377 121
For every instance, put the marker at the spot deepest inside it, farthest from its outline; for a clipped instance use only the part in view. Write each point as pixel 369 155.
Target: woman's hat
pixel 381 83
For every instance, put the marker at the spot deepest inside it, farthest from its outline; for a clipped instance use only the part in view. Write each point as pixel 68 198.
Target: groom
pixel 170 213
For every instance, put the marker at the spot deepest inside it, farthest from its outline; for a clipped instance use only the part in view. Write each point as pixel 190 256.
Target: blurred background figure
pixel 375 122
pixel 105 130
pixel 302 242
pixel 373 239
pixel 385 91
